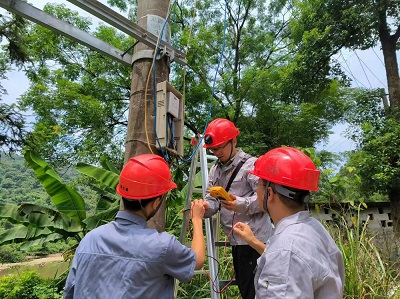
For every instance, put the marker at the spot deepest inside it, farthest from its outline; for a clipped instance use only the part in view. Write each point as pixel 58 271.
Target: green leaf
pixel 106 163
pixel 37 216
pixel 49 238
pixel 65 198
pixel 19 234
pixel 101 218
pixel 103 176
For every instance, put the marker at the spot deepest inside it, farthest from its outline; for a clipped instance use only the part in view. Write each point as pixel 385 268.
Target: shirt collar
pixel 133 218
pixel 290 220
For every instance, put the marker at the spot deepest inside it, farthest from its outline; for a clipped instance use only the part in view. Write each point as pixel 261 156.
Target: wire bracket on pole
pixel 142 54
pixel 109 16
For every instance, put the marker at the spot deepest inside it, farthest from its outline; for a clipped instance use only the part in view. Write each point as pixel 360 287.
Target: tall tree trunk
pixel 388 43
pixel 140 136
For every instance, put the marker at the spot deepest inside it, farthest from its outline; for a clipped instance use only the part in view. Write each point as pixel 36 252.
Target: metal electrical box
pixel 170 117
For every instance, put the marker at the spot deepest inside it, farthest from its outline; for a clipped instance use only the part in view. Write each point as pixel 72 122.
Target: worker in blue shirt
pixel 300 259
pixel 124 258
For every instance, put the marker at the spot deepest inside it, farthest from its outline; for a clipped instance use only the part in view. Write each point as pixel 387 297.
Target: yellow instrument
pixel 220 193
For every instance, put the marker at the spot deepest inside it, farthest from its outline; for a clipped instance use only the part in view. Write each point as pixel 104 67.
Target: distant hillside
pixel 18 184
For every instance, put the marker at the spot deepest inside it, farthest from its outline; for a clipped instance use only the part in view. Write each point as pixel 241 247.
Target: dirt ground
pixel 48 259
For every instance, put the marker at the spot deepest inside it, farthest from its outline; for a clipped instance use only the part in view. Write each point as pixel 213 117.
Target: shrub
pixel 370 273
pixel 28 285
pixel 10 254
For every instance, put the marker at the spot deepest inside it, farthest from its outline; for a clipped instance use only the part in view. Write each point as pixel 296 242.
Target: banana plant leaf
pixel 65 198
pixel 38 216
pixel 108 165
pixel 20 234
pixel 106 177
pixel 49 238
pixel 102 217
pixel 106 199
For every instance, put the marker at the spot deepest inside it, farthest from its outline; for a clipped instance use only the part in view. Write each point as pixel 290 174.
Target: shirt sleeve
pixel 284 275
pixel 70 282
pixel 180 261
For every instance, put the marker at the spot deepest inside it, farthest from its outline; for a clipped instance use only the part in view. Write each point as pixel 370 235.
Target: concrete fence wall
pixel 378 214
pixel 379 218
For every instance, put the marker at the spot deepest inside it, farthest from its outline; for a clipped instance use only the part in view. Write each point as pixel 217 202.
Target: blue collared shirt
pixel 125 259
pixel 301 260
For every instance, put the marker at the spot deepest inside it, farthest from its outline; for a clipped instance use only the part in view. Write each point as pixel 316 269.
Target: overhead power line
pixel 348 70
pixel 366 76
pixel 373 73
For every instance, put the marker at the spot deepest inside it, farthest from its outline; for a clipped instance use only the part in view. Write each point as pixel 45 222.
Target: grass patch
pixel 371 272
pixel 45 270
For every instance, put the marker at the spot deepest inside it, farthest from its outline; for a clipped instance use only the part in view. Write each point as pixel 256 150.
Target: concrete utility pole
pixel 150 15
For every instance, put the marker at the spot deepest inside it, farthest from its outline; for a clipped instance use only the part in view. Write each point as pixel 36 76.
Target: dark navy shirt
pixel 125 259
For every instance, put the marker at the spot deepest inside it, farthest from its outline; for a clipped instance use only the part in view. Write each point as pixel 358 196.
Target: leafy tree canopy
pixel 12 124
pixel 80 98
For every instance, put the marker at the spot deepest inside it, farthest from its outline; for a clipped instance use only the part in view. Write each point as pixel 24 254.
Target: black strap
pixel 234 174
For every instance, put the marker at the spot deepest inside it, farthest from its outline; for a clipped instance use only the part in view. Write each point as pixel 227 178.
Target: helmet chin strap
pixel 143 211
pixel 266 194
pixel 230 155
pixel 229 161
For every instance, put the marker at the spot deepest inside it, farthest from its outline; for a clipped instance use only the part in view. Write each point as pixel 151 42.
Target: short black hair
pixel 137 204
pixel 300 197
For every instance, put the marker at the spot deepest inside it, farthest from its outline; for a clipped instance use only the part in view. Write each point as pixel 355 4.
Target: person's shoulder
pixel 248 162
pixel 246 157
pixel 100 229
pixel 166 237
pixel 170 241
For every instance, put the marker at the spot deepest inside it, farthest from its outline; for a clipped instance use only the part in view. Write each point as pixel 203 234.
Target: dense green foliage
pixel 81 102
pixel 36 225
pixel 18 184
pixel 254 86
pixel 12 122
pixel 20 188
pixel 28 285
pixel 11 254
pixel 278 81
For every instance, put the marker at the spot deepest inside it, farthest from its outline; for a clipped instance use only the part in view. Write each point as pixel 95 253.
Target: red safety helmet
pixel 219 131
pixel 145 176
pixel 289 167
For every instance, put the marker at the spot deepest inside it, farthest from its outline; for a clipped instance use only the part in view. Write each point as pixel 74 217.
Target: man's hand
pixel 244 232
pixel 198 209
pixel 229 204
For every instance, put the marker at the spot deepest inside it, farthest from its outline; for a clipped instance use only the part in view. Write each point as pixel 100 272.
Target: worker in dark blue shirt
pixel 124 258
